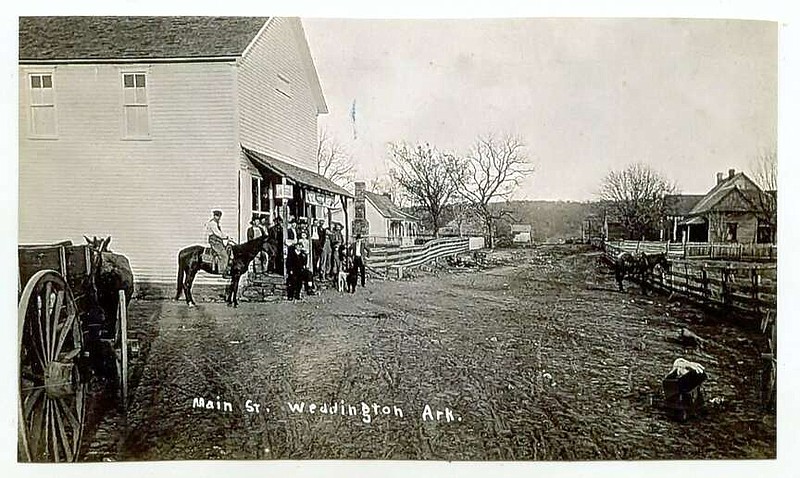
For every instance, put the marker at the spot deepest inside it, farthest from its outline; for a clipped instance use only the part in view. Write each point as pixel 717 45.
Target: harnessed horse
pixel 637 266
pixel 191 261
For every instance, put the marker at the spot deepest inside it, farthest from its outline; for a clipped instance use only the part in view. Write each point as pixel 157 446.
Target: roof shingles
pixel 387 208
pixel 127 38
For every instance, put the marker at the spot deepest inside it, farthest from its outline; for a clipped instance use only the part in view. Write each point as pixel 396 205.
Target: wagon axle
pixel 61 379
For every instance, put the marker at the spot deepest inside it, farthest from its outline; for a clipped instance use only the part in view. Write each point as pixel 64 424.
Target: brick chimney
pixel 731 173
pixel 719 178
pixel 360 224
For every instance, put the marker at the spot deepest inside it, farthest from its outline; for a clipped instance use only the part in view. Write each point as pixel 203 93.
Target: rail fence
pixel 399 259
pixel 701 250
pixel 749 287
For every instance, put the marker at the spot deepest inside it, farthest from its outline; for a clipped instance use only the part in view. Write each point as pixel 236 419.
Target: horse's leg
pixel 235 289
pixel 619 274
pixel 187 287
pixel 181 273
pixel 228 300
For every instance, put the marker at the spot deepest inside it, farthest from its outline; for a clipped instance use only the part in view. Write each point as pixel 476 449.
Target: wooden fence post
pixel 704 273
pixel 755 278
pixel 686 277
pixel 725 288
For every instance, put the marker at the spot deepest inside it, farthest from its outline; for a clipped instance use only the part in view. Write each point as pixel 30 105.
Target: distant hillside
pixel 550 220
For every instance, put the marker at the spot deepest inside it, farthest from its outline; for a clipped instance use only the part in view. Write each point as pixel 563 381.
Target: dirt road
pixel 538 359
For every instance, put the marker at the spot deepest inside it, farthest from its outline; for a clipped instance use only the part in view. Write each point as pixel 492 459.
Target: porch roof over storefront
pixel 304 177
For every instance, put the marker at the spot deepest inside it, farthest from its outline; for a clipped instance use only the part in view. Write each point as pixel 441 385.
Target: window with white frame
pixel 43 107
pixel 260 195
pixel 134 104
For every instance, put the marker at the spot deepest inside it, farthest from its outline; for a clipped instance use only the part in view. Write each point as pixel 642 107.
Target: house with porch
pixel 382 221
pixel 673 227
pixel 139 127
pixel 735 210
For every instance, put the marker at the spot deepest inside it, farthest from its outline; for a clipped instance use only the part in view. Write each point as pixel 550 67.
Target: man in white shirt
pixel 359 250
pixel 216 239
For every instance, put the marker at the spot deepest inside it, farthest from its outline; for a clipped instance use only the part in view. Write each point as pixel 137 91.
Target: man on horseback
pixel 217 239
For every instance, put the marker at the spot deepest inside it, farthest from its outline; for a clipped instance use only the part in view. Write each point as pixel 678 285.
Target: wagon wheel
pixel 52 396
pixel 121 348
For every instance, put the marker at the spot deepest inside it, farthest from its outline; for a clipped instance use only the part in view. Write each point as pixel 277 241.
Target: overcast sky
pixel 689 97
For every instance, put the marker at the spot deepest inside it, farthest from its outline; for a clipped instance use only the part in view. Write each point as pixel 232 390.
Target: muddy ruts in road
pixel 183 364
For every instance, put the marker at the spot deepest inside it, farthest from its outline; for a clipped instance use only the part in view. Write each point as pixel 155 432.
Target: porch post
pixel 675 228
pixel 346 221
pixel 285 215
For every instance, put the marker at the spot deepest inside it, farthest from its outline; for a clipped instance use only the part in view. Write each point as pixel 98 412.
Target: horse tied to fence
pixel 191 261
pixel 637 266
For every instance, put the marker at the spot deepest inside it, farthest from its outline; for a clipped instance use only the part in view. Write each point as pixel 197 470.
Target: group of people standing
pixel 329 254
pixel 324 248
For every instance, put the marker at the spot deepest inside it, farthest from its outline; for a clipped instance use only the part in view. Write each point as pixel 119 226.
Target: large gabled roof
pixel 387 208
pixel 750 193
pixel 127 38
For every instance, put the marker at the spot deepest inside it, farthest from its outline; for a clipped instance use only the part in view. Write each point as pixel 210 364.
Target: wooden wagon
pixel 72 311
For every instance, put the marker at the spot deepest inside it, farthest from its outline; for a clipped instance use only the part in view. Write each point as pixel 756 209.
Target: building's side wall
pixel 746 229
pixel 277 111
pixel 152 196
pixel 378 225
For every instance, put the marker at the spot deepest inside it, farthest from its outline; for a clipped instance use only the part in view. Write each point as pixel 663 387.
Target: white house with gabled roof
pixel 138 127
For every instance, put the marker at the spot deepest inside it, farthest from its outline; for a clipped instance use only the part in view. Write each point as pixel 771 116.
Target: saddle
pixel 208 255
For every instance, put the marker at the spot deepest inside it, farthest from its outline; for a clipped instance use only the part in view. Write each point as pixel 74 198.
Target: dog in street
pixel 352 278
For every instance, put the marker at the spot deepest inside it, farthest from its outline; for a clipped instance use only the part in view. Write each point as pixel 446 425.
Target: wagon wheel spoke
pixel 34 428
pixel 41 351
pixel 46 429
pixel 69 414
pixel 30 402
pixel 52 438
pixel 62 432
pixel 44 316
pixel 64 327
pixel 54 320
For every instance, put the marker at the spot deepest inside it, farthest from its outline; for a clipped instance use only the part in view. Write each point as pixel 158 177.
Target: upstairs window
pixel 43 107
pixel 134 105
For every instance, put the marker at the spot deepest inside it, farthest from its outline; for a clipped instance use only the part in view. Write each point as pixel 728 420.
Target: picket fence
pixel 702 250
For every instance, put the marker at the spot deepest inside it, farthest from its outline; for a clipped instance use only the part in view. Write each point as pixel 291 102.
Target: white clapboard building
pixel 138 127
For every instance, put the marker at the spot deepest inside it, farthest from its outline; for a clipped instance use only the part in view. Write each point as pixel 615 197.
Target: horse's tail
pixel 181 273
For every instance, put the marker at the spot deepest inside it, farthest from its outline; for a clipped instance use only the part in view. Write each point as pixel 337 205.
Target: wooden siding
pixel 154 196
pixel 746 230
pixel 378 225
pixel 269 121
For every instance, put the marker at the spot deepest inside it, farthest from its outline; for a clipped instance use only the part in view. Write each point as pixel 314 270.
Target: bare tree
pixel 636 195
pixel 425 176
pixel 333 162
pixel 385 184
pixel 765 171
pixel 765 174
pixel 492 171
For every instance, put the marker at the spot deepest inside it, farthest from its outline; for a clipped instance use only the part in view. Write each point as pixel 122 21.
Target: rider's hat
pixel 217 212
